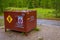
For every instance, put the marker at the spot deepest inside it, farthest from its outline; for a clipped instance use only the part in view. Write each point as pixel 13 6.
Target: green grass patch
pixel 36 29
pixel 41 12
pixel 1 14
pixel 13 8
pixel 1 22
pixel 45 13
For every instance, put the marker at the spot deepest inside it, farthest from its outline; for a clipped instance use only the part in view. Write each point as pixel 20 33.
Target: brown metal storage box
pixel 23 21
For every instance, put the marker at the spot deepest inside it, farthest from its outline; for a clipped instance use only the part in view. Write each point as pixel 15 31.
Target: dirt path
pixel 46 32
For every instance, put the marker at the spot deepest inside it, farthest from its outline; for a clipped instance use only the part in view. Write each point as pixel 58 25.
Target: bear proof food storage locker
pixel 23 21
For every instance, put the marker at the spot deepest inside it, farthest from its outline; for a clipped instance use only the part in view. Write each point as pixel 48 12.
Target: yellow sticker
pixel 9 19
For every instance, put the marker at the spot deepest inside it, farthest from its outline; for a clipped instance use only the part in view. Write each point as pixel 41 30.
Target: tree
pixel 57 8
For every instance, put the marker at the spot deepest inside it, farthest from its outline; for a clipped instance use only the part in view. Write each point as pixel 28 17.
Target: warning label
pixel 9 19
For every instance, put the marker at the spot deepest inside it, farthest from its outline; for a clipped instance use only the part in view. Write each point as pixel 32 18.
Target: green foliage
pixel 1 22
pixel 1 14
pixel 50 4
pixel 45 13
pixel 36 29
pixel 30 4
pixel 14 8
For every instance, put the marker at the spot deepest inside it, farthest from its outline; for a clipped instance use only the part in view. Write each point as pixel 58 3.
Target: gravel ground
pixel 49 32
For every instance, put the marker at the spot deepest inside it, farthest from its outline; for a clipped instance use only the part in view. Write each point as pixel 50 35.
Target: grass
pixel 1 14
pixel 45 13
pixel 13 8
pixel 41 12
pixel 36 29
pixel 1 22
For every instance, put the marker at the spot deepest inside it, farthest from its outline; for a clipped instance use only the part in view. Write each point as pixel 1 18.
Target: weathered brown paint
pixel 27 24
